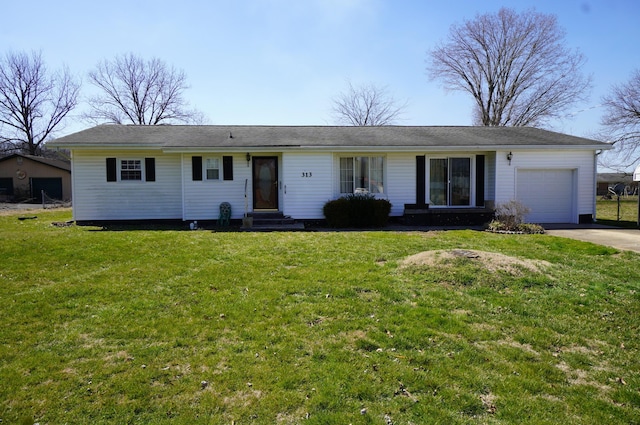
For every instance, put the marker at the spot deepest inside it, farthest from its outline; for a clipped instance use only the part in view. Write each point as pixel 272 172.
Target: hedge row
pixel 357 210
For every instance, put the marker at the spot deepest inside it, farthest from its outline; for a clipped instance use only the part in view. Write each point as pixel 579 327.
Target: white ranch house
pixel 430 174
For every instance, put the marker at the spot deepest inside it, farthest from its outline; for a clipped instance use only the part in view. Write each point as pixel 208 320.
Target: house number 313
pixel 306 174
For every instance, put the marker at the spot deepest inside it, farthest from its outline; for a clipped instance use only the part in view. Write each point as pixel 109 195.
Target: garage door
pixel 52 187
pixel 6 188
pixel 549 194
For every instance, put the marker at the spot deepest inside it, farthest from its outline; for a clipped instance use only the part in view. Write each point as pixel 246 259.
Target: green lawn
pixel 607 211
pixel 167 326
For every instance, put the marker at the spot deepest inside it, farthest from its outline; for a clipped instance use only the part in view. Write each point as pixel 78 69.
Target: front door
pixel 265 183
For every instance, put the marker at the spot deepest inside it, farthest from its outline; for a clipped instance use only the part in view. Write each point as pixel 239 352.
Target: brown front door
pixel 265 183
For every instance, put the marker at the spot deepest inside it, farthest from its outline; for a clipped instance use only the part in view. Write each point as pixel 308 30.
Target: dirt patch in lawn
pixel 492 261
pixel 8 208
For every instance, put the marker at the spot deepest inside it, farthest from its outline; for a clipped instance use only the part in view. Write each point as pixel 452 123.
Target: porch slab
pixel 447 216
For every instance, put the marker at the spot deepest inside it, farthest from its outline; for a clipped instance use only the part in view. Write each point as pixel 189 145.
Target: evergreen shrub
pixel 357 210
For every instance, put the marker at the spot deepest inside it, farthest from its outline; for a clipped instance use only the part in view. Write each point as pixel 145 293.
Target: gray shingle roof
pixel 614 177
pixel 284 137
pixel 48 161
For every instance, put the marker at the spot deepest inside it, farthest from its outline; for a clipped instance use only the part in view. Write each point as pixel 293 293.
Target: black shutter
pixel 150 169
pixel 421 171
pixel 479 180
pixel 196 168
pixel 227 167
pixel 112 171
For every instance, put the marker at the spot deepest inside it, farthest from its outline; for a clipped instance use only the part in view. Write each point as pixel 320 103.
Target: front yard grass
pixel 153 326
pixel 607 211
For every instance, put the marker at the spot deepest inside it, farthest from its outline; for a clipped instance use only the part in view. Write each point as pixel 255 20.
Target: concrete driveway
pixel 623 239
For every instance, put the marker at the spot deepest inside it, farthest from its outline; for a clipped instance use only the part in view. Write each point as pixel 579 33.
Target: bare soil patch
pixel 492 261
pixel 9 208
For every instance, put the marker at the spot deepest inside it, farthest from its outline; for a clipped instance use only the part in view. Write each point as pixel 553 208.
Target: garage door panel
pixel 52 186
pixel 548 194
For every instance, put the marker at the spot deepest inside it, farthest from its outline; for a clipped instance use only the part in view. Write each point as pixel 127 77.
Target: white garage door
pixel 549 195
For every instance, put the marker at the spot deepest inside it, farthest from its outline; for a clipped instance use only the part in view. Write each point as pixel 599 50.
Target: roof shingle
pixel 228 137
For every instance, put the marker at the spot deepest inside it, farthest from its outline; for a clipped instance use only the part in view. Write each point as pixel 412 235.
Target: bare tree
pixel 515 65
pixel 367 104
pixel 139 92
pixel 622 120
pixel 33 102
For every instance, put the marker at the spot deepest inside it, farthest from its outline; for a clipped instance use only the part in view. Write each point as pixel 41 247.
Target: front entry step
pixel 273 220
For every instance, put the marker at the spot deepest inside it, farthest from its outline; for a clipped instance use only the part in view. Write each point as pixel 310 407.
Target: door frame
pixel 256 185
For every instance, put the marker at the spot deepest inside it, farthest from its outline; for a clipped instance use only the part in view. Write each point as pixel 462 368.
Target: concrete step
pixel 275 227
pixel 273 221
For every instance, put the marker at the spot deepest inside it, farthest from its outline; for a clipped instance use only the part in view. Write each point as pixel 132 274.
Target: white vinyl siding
pixel 202 199
pixel 401 181
pixel 97 199
pixel 307 180
pixel 308 184
pixel 582 161
pixel 309 177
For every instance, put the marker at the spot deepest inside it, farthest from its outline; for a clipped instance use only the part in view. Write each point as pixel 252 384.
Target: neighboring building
pixel 613 181
pixel 23 177
pixel 431 175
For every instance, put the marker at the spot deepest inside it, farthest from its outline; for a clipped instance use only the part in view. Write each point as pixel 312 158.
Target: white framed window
pixel 131 170
pixel 362 174
pixel 212 168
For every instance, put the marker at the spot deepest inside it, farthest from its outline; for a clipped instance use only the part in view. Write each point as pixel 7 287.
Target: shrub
pixel 498 226
pixel 510 218
pixel 511 214
pixel 531 228
pixel 337 213
pixel 357 210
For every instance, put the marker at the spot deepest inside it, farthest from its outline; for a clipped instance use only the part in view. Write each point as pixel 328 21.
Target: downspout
pixel 182 184
pixel 73 187
pixel 594 186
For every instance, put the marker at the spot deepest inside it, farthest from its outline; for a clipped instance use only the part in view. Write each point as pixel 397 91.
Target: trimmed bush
pixel 357 210
pixel 528 228
pixel 509 217
pixel 511 214
pixel 337 213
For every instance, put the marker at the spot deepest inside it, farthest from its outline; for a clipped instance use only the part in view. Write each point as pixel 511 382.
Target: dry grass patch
pixel 525 348
pixel 243 398
pixel 489 402
pixel 492 261
pixel 580 377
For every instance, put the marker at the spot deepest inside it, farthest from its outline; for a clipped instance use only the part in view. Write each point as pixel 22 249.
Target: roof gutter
pixel 332 148
pixel 417 148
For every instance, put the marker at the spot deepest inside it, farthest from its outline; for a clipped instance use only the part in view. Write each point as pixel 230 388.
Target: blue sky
pixel 280 62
